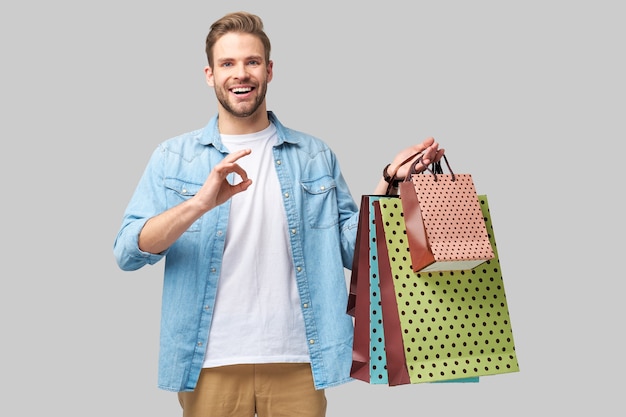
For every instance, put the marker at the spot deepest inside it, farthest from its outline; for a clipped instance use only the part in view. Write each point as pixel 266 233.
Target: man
pixel 256 225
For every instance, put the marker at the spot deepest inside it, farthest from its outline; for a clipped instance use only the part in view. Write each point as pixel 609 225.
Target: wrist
pixel 390 179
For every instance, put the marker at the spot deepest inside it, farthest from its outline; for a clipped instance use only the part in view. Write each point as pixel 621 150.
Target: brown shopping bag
pixel 358 298
pixel 378 351
pixel 444 223
pixel 455 324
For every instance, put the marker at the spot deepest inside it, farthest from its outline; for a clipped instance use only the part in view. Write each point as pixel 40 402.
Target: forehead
pixel 237 45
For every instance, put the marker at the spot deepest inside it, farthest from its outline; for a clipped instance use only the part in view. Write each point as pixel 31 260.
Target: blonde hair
pixel 240 22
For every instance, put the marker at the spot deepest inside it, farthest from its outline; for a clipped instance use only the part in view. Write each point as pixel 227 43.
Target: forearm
pixel 161 231
pixel 383 186
pixel 388 184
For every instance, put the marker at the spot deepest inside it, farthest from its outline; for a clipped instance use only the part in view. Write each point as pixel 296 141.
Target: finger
pixel 433 157
pixel 424 146
pixel 234 156
pixel 228 165
pixel 429 153
pixel 237 169
pixel 241 186
pixel 428 142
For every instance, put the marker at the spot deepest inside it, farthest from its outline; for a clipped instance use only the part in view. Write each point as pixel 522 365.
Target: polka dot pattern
pixel 453 220
pixel 456 323
pixel 379 346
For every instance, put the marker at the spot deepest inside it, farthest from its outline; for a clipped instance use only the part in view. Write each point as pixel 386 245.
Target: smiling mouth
pixel 241 90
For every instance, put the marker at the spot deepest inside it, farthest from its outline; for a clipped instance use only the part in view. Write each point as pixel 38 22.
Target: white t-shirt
pixel 257 316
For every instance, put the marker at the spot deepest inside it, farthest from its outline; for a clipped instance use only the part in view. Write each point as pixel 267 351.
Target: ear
pixel 208 72
pixel 270 70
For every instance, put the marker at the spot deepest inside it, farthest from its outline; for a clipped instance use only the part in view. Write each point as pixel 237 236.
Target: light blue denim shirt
pixel 322 217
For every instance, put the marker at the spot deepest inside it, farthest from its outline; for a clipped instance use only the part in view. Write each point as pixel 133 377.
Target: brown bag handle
pixel 393 177
pixel 435 168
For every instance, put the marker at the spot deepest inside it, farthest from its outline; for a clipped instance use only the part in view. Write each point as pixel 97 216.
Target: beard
pixel 241 109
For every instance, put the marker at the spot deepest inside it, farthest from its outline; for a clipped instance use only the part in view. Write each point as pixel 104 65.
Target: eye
pixel 226 64
pixel 254 62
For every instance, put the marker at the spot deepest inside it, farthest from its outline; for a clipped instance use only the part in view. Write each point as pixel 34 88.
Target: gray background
pixel 528 97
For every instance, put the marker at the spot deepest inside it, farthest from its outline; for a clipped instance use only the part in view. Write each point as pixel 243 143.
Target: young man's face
pixel 240 74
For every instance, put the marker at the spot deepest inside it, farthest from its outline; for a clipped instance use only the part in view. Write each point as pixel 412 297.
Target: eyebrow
pixel 249 57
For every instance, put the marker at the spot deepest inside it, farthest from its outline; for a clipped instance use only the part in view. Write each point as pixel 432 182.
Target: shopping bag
pixel 393 330
pixel 397 371
pixel 358 297
pixel 379 373
pixel 454 323
pixel 378 351
pixel 444 224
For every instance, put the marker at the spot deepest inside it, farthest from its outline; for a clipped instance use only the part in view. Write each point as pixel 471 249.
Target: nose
pixel 241 71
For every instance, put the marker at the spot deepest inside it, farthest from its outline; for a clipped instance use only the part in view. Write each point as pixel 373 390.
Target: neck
pixel 233 125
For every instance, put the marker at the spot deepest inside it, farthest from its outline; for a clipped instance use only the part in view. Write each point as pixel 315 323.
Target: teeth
pixel 242 90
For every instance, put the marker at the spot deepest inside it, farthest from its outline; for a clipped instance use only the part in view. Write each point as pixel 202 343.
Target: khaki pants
pixel 269 390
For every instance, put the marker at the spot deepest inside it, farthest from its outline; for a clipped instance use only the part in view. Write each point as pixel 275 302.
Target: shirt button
pixel 305 305
pixel 286 195
pixel 299 268
pixel 322 188
pixel 311 342
pixel 199 343
pixel 278 162
pixel 293 231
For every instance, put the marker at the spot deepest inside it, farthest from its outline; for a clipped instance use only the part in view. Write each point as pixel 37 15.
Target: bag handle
pixel 435 168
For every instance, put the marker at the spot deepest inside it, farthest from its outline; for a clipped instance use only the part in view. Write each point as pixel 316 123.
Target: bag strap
pixel 393 177
pixel 435 168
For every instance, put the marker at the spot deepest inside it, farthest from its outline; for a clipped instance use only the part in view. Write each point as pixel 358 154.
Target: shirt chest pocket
pixel 321 202
pixel 178 191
